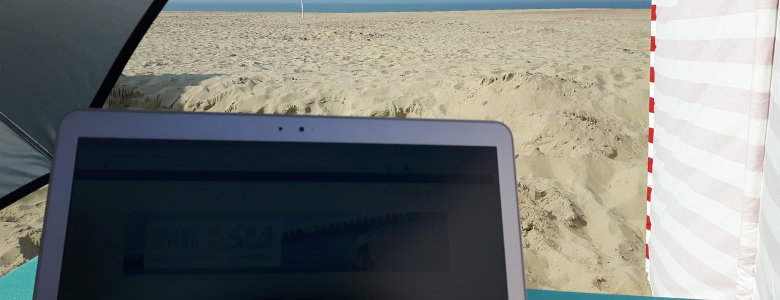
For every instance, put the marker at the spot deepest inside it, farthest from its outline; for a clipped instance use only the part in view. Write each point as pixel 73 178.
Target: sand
pixel 20 230
pixel 571 84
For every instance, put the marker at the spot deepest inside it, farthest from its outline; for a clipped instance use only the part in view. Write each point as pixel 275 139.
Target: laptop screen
pixel 165 219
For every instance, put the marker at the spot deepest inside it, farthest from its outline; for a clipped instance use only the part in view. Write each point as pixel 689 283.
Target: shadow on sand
pixel 153 92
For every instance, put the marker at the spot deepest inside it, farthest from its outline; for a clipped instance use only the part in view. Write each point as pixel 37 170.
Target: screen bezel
pixel 245 127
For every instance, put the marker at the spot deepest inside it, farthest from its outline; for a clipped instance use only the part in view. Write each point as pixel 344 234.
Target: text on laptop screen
pixel 163 219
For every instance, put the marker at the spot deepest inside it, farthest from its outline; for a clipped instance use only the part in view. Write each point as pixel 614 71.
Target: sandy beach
pixel 571 84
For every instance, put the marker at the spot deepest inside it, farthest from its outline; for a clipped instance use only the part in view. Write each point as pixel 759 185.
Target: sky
pixel 408 1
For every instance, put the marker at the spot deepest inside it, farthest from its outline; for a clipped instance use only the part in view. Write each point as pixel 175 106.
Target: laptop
pixel 159 205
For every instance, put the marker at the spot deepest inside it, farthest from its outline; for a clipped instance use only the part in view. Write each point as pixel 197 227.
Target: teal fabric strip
pixel 18 285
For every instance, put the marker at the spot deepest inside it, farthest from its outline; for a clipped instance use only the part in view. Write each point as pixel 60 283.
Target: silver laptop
pixel 231 206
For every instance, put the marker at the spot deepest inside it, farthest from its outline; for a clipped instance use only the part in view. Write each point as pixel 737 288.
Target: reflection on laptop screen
pixel 162 219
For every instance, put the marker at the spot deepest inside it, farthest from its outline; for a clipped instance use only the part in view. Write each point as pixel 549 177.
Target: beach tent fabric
pixel 55 57
pixel 768 257
pixel 19 162
pixel 712 69
pixel 651 133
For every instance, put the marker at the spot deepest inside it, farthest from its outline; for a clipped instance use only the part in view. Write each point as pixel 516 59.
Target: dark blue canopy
pixel 55 57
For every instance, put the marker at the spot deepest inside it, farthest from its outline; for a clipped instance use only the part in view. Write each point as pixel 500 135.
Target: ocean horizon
pixel 341 7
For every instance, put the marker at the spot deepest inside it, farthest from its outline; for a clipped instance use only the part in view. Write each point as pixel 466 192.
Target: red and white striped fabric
pixel 768 258
pixel 711 71
pixel 653 17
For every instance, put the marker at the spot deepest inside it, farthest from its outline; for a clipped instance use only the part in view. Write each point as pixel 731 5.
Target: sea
pixel 335 7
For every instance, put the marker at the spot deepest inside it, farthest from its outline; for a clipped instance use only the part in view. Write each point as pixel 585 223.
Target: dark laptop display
pixel 163 219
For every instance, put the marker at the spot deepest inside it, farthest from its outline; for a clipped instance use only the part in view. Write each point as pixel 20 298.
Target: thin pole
pixel 301 9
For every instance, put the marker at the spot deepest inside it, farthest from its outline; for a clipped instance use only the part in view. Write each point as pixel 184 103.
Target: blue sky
pixel 412 1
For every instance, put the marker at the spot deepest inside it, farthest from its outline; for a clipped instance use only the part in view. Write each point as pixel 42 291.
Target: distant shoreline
pixel 392 12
